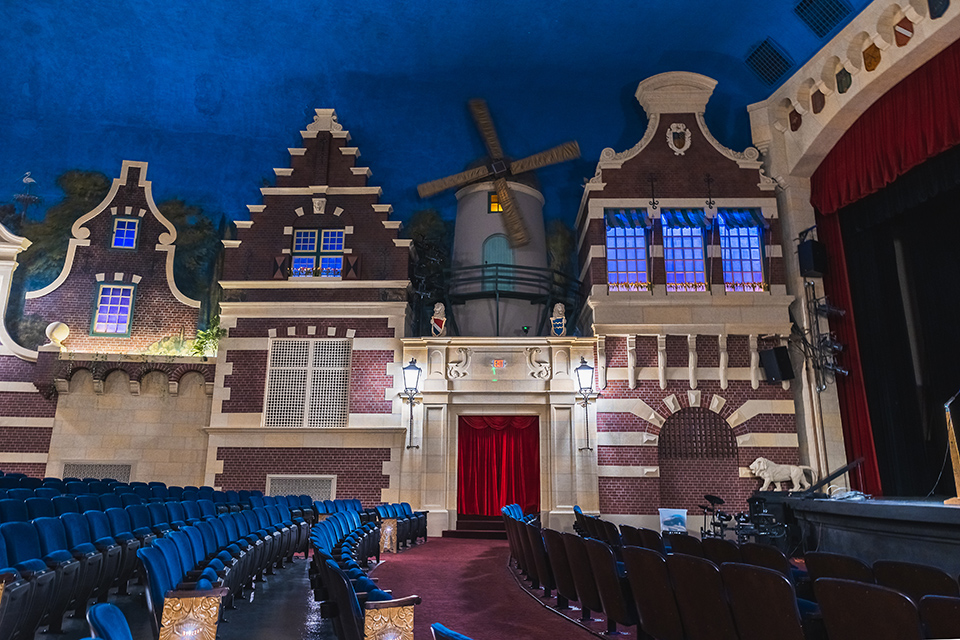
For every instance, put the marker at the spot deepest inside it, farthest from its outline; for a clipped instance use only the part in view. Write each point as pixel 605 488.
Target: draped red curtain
pixel 914 121
pixel 499 464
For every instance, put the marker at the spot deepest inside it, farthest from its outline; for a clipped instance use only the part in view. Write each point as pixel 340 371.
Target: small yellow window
pixel 495 206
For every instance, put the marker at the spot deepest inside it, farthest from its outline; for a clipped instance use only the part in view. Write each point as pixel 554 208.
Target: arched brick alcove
pixel 698 455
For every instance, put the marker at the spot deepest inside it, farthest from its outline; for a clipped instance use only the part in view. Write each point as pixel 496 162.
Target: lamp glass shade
pixel 411 377
pixel 584 376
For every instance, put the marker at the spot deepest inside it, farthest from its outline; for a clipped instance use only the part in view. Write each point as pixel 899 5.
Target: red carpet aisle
pixel 466 585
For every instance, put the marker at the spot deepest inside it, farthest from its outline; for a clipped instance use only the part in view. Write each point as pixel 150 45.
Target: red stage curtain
pixel 915 120
pixel 857 429
pixel 499 464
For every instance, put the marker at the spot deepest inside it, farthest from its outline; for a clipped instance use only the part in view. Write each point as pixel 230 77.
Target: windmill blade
pixel 481 115
pixel 561 153
pixel 511 216
pixel 428 189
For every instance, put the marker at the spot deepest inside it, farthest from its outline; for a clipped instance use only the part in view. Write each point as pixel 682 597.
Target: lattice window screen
pixel 308 383
pixel 696 433
pixel 97 470
pixel 317 487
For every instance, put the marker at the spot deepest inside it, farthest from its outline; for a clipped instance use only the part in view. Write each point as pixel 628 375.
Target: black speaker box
pixel 813 259
pixel 776 364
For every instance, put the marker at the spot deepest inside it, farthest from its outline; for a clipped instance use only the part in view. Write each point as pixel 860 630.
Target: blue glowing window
pixel 683 257
pixel 125 233
pixel 742 252
pixel 305 240
pixel 627 258
pixel 332 240
pixel 303 266
pixel 114 310
pixel 331 266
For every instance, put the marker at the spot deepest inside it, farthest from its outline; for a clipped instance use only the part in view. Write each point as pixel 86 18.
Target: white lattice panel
pixel 97 470
pixel 317 487
pixel 308 383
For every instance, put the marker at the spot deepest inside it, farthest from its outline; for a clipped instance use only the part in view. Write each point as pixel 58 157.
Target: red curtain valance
pixel 913 121
pixel 498 464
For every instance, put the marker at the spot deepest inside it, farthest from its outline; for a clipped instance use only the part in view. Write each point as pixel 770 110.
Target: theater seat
pixel 915 580
pixel 440 632
pixel 940 616
pixel 100 529
pixel 614 589
pixel 106 621
pixel 763 603
pixel 560 566
pixel 836 565
pixel 80 539
pixel 13 511
pixel 57 551
pixel 579 559
pixel 718 551
pixel 652 593
pixel 700 597
pixel 859 611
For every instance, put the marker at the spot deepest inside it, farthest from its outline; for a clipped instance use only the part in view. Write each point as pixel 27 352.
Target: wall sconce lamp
pixel 585 381
pixel 411 379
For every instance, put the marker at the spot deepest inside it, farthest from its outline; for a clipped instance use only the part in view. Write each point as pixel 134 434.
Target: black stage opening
pixel 903 260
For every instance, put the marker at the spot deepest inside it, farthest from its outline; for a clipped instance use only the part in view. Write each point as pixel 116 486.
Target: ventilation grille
pixel 317 487
pixel 308 384
pixel 769 61
pixel 96 470
pixel 696 433
pixel 822 16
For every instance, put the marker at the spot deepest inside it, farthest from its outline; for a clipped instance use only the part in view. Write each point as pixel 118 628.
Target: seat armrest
pixel 216 591
pixel 399 602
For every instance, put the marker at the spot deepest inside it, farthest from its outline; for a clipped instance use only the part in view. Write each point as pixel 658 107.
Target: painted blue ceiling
pixel 212 92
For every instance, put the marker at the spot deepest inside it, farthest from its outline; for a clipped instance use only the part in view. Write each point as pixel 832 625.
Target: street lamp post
pixel 411 378
pixel 585 381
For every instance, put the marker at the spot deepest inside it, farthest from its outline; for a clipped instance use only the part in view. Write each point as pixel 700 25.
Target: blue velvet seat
pixel 65 504
pixel 54 580
pixel 159 519
pixel 77 487
pixel 143 491
pixel 28 482
pixel 176 515
pixel 20 493
pixel 174 493
pixel 100 529
pixel 19 613
pixel 190 495
pixel 80 539
pixel 126 499
pixel 132 519
pixel 109 501
pixel 106 621
pixel 88 501
pixel 13 511
pixel 191 511
pixel 57 550
pixel 440 632
pixel 99 487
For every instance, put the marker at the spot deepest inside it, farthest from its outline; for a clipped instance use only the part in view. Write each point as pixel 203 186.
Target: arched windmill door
pixel 498 463
pixel 497 260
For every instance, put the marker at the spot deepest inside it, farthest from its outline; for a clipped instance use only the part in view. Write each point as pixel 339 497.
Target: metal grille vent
pixel 822 16
pixel 308 384
pixel 97 470
pixel 317 487
pixel 769 61
pixel 696 433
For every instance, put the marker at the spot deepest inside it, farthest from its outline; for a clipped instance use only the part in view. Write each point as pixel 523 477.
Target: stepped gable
pixel 675 103
pixel 123 244
pixel 323 189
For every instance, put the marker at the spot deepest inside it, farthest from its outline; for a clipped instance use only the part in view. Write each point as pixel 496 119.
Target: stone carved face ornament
pixel 678 138
pixel 439 311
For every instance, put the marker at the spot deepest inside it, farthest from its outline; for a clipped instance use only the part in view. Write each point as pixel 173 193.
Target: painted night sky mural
pixel 211 93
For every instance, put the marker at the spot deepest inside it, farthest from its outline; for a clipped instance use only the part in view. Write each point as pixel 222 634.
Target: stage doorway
pixel 498 463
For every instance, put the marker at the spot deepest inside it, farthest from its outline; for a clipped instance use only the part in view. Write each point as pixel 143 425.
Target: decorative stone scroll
pixel 391 623
pixel 537 370
pixel 190 614
pixel 456 370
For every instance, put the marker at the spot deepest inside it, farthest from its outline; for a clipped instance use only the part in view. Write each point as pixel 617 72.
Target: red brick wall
pixel 246 383
pixel 156 312
pixel 369 381
pixel 359 471
pixel 32 469
pixel 639 496
pixel 365 327
pixel 25 440
pixel 26 405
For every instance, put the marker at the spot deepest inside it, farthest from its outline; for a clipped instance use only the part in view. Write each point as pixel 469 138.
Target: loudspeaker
pixel 776 364
pixel 813 258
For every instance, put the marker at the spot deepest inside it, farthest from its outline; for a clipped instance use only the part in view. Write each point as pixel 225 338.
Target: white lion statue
pixel 559 310
pixel 772 473
pixel 439 311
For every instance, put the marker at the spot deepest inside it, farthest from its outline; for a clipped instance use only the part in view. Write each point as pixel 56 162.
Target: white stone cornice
pixel 314 283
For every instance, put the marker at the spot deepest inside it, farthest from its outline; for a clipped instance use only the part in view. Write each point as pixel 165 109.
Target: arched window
pixel 496 254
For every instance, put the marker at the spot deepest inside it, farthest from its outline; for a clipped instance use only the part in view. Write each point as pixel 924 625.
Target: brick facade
pixel 359 471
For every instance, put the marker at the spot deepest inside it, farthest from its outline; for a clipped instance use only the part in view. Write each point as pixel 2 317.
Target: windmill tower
pixel 499 283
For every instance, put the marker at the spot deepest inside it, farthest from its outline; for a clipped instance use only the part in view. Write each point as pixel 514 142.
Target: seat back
pixel 940 616
pixel 87 502
pixel 158 582
pixel 559 565
pixel 78 488
pixel 207 508
pixel 106 621
pixel 77 528
pixel 614 592
pixel 13 511
pixel 65 504
pixel 110 501
pixel 718 551
pixel 99 524
pixel 765 555
pixel 47 492
pixel 40 508
pixel 538 553
pixel 127 499
pixel 860 611
pixel 22 540
pixel 20 493
pixel 763 602
pixel 820 564
pixel 683 543
pixel 915 580
pixel 158 514
pixel 589 595
pixel 701 599
pixel 191 510
pixel 640 537
pixel 652 593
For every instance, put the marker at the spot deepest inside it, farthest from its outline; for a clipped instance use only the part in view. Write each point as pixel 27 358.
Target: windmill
pixel 500 169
